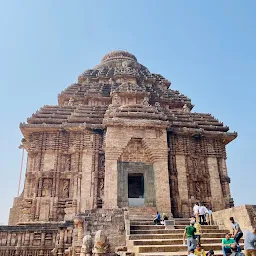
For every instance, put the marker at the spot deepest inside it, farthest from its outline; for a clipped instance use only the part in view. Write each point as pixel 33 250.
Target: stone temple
pixel 119 139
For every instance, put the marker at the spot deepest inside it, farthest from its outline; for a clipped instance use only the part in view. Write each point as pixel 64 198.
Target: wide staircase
pixel 146 239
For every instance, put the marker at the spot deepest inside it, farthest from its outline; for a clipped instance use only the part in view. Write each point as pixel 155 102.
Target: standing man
pixel 189 234
pixel 202 211
pixel 250 242
pixel 237 232
pixel 209 215
pixel 196 211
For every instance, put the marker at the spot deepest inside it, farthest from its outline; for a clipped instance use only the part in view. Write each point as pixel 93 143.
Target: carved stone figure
pixel 65 190
pixel 116 100
pixel 100 243
pixel 145 101
pixel 47 185
pixel 71 102
pixel 86 249
pixel 68 252
pixel 186 108
pixel 101 186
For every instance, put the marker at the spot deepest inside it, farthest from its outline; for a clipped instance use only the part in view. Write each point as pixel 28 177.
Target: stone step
pixel 202 227
pixel 151 227
pixel 174 231
pixel 174 241
pixel 173 248
pixel 171 236
pixel 181 222
pixel 141 218
pixel 146 227
pixel 141 222
pixel 182 219
pixel 184 253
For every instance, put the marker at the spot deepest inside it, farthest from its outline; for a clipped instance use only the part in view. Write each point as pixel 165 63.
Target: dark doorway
pixel 136 185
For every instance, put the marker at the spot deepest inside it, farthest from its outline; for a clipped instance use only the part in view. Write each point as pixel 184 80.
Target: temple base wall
pixel 111 222
pixel 31 239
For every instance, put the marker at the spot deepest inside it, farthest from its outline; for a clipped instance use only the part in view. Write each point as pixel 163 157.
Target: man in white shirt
pixel 196 212
pixel 202 211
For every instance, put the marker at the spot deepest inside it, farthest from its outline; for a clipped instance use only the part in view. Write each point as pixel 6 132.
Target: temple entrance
pixel 136 186
pixel 136 189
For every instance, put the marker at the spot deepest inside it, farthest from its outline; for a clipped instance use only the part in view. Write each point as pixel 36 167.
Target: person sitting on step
pixel 199 250
pixel 157 220
pixel 164 217
pixel 226 244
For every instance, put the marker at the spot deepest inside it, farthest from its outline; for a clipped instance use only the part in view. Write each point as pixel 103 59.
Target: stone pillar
pixel 182 185
pixel 216 189
pixel 86 181
pixel 162 187
pixel 225 184
pixel 116 139
pixel 110 184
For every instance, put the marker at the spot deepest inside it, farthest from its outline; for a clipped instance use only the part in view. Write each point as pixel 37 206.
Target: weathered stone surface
pixel 245 215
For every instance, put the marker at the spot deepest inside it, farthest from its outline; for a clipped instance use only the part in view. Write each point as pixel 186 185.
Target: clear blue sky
pixel 205 48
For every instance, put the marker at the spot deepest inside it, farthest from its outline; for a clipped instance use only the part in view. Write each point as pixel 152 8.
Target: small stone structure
pixel 118 138
pixel 100 244
pixel 86 249
pixel 245 215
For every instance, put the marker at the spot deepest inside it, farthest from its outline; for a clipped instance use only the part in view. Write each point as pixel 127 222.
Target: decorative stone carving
pixel 186 108
pixel 65 188
pixel 86 249
pixel 198 178
pixel 71 102
pixel 47 187
pixel 100 244
pixel 135 152
pixel 144 101
pixel 68 252
pixel 67 164
pixel 116 100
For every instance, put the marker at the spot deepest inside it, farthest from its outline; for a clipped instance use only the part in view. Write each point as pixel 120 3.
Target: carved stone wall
pixel 34 240
pixel 55 176
pixel 122 145
pixel 194 176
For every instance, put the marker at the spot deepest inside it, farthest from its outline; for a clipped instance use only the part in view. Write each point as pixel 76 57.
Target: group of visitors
pixel 230 244
pixel 202 214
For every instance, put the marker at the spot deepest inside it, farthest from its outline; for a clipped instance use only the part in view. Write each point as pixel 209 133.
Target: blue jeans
pixel 238 237
pixel 225 250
